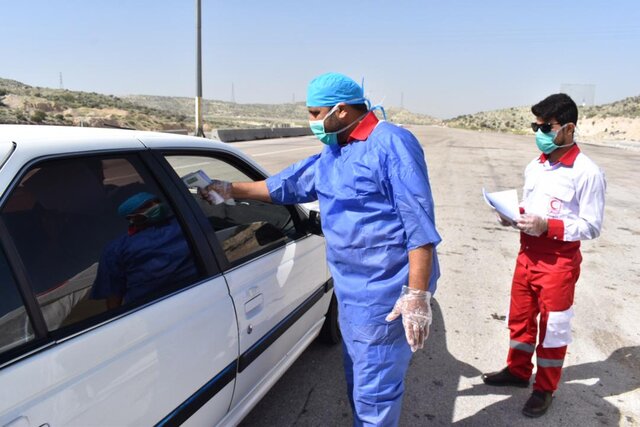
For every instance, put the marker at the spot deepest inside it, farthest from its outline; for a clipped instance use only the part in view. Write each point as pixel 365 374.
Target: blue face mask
pixel 329 138
pixel 155 214
pixel 317 127
pixel 544 141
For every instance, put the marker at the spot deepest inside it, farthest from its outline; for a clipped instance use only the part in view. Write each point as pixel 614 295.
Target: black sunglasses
pixel 545 127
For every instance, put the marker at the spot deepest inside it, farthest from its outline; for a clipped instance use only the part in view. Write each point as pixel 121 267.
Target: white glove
pixel 415 309
pixel 532 225
pixel 217 192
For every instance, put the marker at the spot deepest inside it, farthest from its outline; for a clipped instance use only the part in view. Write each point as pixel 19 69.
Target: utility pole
pixel 61 86
pixel 402 100
pixel 198 130
pixel 233 94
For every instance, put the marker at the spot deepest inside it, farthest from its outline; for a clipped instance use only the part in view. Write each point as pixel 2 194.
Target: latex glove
pixel 415 309
pixel 532 225
pixel 503 221
pixel 217 192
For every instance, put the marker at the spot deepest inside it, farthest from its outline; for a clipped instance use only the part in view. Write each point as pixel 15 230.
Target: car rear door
pixel 164 357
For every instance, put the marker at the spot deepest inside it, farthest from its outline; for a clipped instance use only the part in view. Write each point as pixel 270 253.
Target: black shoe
pixel 504 378
pixel 538 403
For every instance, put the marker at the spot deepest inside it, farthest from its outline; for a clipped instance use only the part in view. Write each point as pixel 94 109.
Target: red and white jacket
pixel 570 194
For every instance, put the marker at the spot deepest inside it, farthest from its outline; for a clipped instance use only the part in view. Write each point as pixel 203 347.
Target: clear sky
pixel 443 58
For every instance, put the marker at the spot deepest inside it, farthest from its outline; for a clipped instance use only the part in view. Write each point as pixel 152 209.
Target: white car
pixel 188 319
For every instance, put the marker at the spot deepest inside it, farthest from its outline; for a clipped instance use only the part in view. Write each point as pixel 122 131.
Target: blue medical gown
pixel 149 260
pixel 375 205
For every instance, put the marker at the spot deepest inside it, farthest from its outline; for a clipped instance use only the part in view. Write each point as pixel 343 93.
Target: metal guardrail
pixel 234 135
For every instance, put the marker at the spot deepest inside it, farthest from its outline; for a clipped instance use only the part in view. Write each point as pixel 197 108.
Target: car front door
pixel 275 270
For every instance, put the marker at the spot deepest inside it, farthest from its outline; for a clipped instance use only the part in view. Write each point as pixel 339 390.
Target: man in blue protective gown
pixel 377 214
pixel 152 256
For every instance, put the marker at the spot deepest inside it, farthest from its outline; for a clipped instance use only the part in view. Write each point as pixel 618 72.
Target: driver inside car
pixel 151 256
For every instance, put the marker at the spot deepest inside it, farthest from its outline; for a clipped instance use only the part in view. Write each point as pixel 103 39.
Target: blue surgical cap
pixel 330 89
pixel 130 205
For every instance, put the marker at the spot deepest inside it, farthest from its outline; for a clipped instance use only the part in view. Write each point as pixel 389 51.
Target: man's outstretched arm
pixel 251 190
pixel 255 190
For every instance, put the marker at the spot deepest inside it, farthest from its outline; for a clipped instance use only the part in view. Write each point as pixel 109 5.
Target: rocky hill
pixel 615 122
pixel 20 103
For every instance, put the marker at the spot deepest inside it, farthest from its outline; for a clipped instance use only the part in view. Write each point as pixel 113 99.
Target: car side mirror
pixel 314 225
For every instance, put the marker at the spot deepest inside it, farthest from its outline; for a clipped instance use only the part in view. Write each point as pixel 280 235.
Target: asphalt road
pixel 601 379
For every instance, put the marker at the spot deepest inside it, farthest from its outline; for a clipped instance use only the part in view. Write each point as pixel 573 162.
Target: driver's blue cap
pixel 132 204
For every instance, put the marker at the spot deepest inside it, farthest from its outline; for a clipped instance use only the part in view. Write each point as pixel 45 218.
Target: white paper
pixel 505 202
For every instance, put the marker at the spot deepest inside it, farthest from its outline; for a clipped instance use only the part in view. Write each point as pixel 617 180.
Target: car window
pixel 95 234
pixel 245 228
pixel 15 326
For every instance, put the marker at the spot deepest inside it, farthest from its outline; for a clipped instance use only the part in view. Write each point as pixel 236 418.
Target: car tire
pixel 330 332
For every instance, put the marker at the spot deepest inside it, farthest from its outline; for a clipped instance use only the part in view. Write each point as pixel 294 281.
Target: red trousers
pixel 550 295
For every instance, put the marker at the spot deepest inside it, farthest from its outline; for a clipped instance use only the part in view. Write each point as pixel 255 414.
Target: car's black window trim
pixel 20 275
pixel 204 257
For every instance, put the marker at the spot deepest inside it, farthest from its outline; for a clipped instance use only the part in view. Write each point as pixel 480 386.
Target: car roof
pixel 38 140
pixel 20 144
pixel 34 135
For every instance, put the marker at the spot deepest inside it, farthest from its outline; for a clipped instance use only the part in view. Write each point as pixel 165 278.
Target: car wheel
pixel 330 332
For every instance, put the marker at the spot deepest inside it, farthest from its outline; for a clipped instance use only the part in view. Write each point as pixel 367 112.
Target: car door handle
pixel 19 422
pixel 254 305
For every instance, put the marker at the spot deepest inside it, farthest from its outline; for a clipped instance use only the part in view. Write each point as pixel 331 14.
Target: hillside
pixel 251 115
pixel 615 122
pixel 20 103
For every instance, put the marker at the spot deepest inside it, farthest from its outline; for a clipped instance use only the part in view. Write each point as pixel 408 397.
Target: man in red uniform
pixel 562 203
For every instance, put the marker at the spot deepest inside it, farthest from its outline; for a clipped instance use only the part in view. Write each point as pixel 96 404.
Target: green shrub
pixel 38 116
